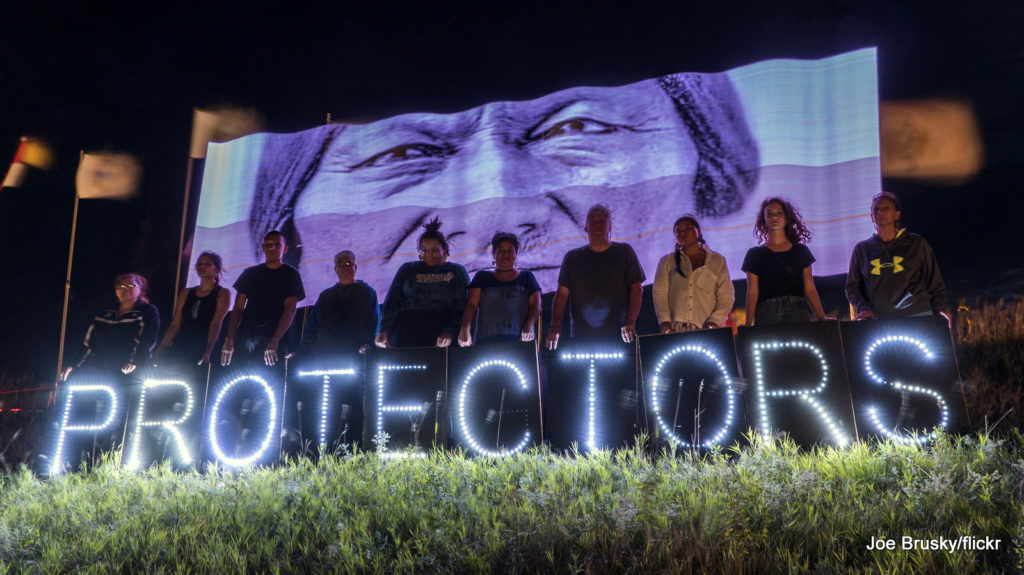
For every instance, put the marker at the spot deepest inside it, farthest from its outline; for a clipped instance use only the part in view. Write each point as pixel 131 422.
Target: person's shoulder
pixel 578 251
pixel 410 267
pixel 364 286
pixel 484 277
pixel 712 255
pixel 328 293
pixel 622 247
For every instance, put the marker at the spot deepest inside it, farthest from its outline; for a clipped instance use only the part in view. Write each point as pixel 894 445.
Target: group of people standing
pixel 432 302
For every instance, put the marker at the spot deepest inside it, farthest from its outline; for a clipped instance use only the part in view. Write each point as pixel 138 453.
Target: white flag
pixel 108 176
pixel 220 126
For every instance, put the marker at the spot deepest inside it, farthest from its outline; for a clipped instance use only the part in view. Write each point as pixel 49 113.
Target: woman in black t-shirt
pixel 198 316
pixel 780 286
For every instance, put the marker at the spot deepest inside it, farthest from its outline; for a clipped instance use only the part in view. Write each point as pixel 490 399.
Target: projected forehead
pixel 577 137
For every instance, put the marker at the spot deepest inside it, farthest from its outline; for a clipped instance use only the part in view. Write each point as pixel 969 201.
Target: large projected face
pixel 651 150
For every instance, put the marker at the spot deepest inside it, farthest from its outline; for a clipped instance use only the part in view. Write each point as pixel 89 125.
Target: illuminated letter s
pixel 905 388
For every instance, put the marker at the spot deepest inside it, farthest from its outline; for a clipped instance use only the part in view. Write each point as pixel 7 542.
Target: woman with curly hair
pixel 426 300
pixel 780 286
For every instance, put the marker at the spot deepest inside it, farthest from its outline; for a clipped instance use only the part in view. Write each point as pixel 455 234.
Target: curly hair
pixel 796 231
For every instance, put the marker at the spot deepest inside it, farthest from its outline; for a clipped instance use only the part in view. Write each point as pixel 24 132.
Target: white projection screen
pixel 714 145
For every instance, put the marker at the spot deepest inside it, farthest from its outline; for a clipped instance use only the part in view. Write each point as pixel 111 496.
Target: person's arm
pixel 472 303
pixel 530 324
pixel 636 294
pixel 392 305
pixel 660 294
pixel 811 293
pixel 935 284
pixel 460 285
pixel 557 314
pixel 228 349
pixel 149 326
pixel 752 294
pixel 725 297
pixel 172 330
pixel 309 331
pixel 855 288
pixel 290 305
pixel 372 320
pixel 223 301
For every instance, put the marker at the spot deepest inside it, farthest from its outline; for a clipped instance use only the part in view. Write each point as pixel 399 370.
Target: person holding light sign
pixel 198 316
pixel 780 285
pixel 602 284
pixel 894 272
pixel 692 289
pixel 267 296
pixel 121 339
pixel 426 299
pixel 508 299
pixel 345 316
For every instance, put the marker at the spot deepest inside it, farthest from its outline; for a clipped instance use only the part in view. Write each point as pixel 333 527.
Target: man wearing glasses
pixel 268 295
pixel 345 316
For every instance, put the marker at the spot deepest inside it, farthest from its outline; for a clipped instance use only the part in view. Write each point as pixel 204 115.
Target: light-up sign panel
pixel 797 384
pixel 405 399
pixel 91 416
pixel 591 397
pixel 712 144
pixel 327 395
pixel 495 405
pixel 166 422
pixel 895 379
pixel 903 378
pixel 692 389
pixel 244 418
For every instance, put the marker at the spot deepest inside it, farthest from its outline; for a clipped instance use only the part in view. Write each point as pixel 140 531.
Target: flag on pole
pixel 934 140
pixel 31 154
pixel 111 176
pixel 221 125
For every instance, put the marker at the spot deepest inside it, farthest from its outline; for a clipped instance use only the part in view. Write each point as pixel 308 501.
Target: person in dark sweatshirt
pixel 425 302
pixel 894 273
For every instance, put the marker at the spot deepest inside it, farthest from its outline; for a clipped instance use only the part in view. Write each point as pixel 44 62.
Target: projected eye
pixel 571 126
pixel 405 153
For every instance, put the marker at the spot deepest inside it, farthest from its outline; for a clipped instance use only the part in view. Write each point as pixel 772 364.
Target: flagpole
pixel 181 236
pixel 67 287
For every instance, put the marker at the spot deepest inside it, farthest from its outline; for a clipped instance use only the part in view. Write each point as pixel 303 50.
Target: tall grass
pixel 990 340
pixel 769 507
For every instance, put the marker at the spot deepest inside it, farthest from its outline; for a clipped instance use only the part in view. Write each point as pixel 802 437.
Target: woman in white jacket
pixel 692 289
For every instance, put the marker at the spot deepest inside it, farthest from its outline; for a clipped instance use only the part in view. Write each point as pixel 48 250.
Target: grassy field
pixel 768 507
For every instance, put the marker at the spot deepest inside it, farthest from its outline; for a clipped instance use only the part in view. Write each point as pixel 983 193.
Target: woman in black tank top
pixel 198 316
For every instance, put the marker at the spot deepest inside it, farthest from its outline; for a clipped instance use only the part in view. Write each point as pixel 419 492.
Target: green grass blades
pixel 768 507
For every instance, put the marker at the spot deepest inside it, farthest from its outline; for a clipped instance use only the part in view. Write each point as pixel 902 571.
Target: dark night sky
pixel 87 75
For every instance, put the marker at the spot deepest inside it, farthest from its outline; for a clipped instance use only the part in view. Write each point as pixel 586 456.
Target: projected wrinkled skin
pixel 679 143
